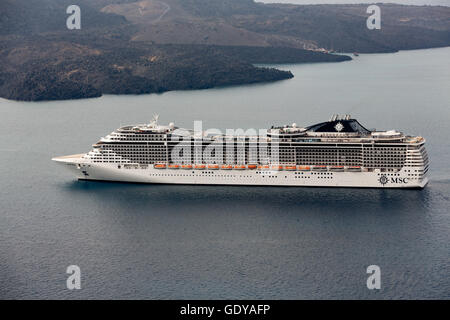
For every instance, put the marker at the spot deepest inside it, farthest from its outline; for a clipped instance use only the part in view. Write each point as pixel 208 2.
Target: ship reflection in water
pixel 299 199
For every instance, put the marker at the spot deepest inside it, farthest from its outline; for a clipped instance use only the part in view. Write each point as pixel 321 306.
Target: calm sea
pixel 163 242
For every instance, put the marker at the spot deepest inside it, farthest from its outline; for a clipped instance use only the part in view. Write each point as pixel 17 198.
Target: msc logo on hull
pixel 383 180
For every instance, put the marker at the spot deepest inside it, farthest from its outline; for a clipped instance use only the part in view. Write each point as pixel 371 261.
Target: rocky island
pixel 151 46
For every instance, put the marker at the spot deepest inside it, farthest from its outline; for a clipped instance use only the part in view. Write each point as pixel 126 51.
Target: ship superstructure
pixel 336 153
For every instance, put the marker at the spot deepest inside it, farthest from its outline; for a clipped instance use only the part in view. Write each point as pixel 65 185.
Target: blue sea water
pixel 214 242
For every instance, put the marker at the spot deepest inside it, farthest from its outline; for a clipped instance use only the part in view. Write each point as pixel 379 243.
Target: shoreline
pixel 266 82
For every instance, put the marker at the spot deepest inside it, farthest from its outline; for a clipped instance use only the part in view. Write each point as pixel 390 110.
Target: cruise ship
pixel 336 153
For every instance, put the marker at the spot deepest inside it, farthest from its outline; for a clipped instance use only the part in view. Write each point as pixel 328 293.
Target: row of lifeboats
pixel 259 167
pixel 204 166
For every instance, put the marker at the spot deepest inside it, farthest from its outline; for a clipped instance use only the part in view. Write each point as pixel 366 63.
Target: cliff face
pixel 343 27
pixel 238 22
pixel 54 70
pixel 128 46
pixel 231 22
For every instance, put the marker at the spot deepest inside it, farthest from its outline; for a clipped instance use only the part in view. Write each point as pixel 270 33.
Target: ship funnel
pixel 334 117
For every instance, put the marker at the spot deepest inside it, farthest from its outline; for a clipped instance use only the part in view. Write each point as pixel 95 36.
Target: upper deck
pixel 336 131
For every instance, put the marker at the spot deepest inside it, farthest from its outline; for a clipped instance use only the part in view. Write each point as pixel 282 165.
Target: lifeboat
pixel 354 169
pixel 239 167
pixel 213 167
pixel 174 166
pixel 320 168
pixel 337 168
pixel 252 166
pixel 200 167
pixel 227 167
pixel 159 166
pixel 304 168
pixel 291 168
pixel 263 167
pixel 186 166
pixel 275 167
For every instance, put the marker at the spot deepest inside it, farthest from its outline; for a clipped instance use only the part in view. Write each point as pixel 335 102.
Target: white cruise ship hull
pixel 148 174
